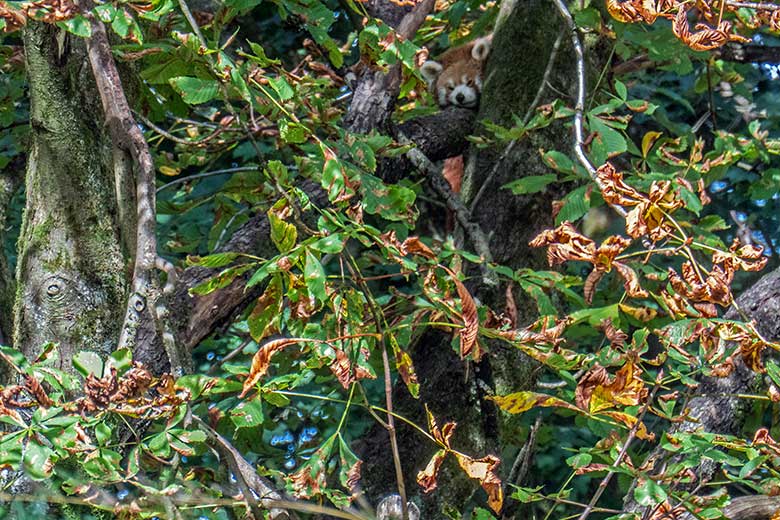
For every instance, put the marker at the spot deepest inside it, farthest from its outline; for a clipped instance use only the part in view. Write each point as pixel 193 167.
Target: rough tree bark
pixel 71 269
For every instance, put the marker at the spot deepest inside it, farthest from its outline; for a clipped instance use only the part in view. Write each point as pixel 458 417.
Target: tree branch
pixel 144 299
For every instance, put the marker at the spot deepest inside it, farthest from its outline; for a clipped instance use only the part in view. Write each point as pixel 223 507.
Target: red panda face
pixel 457 79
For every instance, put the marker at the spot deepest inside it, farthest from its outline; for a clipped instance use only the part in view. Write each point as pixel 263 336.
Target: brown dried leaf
pixel 630 281
pixel 617 338
pixel 468 334
pixel 565 243
pixel 484 470
pixel 262 361
pixel 589 289
pixel 427 477
pixel 14 18
pixel 36 390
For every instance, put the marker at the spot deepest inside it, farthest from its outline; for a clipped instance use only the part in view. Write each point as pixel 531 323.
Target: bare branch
pixel 128 137
pixel 475 234
pixel 579 107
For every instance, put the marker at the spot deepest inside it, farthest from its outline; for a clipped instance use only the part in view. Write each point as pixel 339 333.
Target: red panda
pixel 456 79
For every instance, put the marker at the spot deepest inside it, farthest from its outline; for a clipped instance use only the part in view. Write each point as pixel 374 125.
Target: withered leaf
pixel 261 361
pixel 427 477
pixel 468 334
pixel 484 470
pixel 520 402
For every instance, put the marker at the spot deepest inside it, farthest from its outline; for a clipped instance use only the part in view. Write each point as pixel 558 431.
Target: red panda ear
pixel 481 49
pixel 430 70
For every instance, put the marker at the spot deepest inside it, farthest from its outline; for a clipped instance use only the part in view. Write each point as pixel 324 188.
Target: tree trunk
pixel 71 272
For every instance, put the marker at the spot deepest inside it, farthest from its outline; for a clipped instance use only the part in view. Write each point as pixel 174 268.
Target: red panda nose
pixel 459 97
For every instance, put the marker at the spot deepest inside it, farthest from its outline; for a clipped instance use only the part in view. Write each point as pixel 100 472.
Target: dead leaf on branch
pixel 566 243
pixel 597 392
pixel 261 361
pixel 705 38
pixel 484 470
pixel 468 334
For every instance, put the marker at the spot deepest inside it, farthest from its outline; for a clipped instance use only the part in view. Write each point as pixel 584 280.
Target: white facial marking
pixel 478 83
pixel 442 96
pixel 463 96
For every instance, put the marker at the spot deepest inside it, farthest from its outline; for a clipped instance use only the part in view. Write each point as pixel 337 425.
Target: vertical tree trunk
pixel 71 272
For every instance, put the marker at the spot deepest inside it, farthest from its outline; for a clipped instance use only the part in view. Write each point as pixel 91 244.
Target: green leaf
pixel 649 493
pixel 77 25
pixel 292 132
pixel 558 161
pixel 16 358
pixel 87 362
pixel 531 184
pixel 102 433
pixel 773 371
pixel 751 465
pixel 222 280
pixel 333 179
pixel 38 460
pixel 330 244
pixel 575 205
pixel 248 414
pixel 281 87
pixel 390 201
pixel 159 446
pixel 621 90
pixel 315 277
pixel 121 359
pixel 607 142
pixel 195 91
pixel 579 460
pixel 11 449
pixel 259 55
pixel 212 261
pixel 588 18
pixel 283 234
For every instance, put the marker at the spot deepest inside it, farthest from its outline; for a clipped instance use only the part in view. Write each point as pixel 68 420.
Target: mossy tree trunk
pixel 71 276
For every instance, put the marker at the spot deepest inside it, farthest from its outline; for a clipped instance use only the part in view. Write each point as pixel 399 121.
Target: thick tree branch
pixel 375 93
pixel 144 299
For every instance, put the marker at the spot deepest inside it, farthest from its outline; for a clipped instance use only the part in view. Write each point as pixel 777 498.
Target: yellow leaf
pixel 169 171
pixel 523 401
pixel 647 142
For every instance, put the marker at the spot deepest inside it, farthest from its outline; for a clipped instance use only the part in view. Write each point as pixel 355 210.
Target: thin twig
pixel 522 461
pixel 188 178
pixel 233 353
pixel 619 460
pixel 579 107
pixel 755 5
pixel 390 425
pixel 528 114
pixel 166 134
